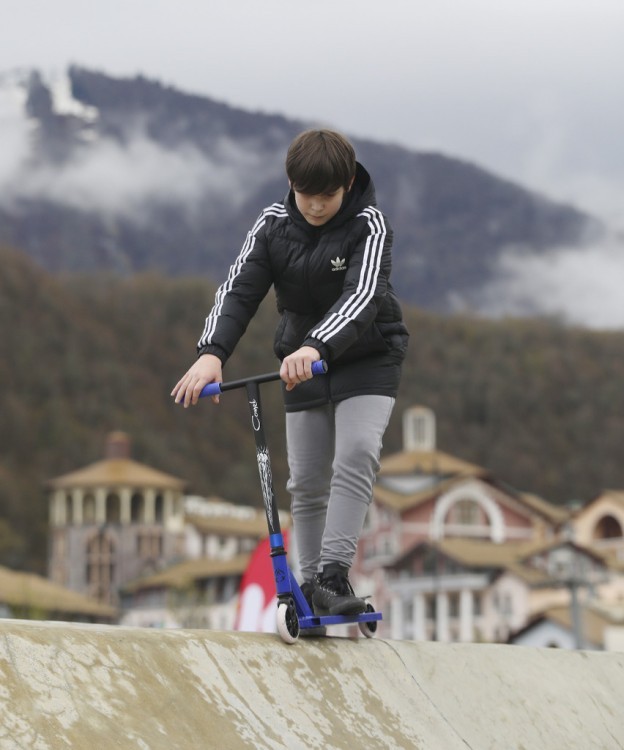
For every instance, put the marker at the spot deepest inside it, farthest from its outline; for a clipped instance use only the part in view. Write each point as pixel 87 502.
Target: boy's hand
pixel 207 369
pixel 297 367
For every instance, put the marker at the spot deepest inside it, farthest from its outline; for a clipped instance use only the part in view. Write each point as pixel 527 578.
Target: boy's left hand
pixel 297 367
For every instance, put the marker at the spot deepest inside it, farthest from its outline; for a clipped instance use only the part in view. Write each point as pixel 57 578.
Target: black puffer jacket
pixel 333 293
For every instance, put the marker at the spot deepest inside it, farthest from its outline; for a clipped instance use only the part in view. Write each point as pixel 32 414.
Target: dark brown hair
pixel 320 161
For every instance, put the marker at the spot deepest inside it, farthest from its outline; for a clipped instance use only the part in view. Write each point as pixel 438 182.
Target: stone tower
pixel 113 521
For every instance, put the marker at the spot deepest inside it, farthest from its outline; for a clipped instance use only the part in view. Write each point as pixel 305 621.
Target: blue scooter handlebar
pixel 213 389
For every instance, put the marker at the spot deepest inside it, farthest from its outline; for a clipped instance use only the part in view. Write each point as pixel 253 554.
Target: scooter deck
pixel 316 621
pixel 305 615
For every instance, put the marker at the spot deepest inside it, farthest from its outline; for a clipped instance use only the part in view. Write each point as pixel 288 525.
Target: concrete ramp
pixel 89 687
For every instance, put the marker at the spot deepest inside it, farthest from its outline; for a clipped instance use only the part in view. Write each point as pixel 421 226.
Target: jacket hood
pixel 362 194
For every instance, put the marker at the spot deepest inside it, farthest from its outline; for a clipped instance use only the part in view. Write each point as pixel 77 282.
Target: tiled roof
pixel 512 557
pixel 230 525
pixel 531 576
pixel 18 589
pixel 478 553
pixel 400 501
pixel 117 472
pixel 553 513
pixel 617 496
pixel 428 462
pixel 474 553
pixel 411 478
pixel 185 573
pixel 593 622
pixel 612 558
pixel 543 547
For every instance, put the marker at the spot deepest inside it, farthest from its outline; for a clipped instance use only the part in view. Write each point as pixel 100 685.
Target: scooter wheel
pixel 287 621
pixel 368 629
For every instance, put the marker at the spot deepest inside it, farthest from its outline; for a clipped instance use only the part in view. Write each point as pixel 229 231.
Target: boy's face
pixel 319 209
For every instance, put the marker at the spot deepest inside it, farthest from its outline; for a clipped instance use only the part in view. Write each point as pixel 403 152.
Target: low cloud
pixel 126 179
pixel 582 287
pixel 14 136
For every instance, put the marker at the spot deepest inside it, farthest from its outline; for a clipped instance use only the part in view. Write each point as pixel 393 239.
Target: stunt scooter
pixel 293 611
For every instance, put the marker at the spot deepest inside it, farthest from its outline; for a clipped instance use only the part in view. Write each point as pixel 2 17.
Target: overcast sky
pixel 530 89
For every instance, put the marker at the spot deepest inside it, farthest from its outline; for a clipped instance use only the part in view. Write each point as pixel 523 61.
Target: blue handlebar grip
pixel 319 367
pixel 212 389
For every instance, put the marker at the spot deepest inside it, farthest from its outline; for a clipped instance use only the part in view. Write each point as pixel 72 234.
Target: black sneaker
pixel 334 595
pixel 307 589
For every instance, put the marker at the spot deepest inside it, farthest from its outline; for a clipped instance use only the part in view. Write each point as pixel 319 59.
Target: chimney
pixel 117 445
pixel 419 429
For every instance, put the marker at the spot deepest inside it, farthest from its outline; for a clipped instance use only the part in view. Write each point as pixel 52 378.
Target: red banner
pixel 257 601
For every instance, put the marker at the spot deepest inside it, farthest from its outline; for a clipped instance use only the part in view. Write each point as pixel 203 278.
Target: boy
pixel 326 250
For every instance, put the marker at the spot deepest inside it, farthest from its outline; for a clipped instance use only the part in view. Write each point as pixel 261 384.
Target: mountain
pixel 126 175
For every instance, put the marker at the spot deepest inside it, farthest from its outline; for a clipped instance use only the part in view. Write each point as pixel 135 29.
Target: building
pixel 428 504
pixel 449 552
pixel 112 522
pixel 202 591
pixel 125 534
pixel 600 524
pixel 199 593
pixel 219 530
pixel 465 590
pixel 598 627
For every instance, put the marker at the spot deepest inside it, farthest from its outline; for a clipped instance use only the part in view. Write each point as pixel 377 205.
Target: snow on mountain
pixel 64 102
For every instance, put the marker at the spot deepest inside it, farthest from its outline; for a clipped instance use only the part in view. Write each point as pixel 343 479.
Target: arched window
pixel 159 507
pixel 88 509
pixel 608 527
pixel 137 513
pixel 100 568
pixel 113 508
pixel 466 513
pixel 69 509
pixel 466 517
pixel 453 509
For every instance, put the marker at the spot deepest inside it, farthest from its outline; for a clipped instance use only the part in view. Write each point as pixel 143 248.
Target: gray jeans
pixel 333 457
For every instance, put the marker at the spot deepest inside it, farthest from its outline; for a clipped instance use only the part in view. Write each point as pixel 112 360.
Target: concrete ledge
pixel 93 687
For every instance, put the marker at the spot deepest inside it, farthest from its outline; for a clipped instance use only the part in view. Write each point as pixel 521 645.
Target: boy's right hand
pixel 206 369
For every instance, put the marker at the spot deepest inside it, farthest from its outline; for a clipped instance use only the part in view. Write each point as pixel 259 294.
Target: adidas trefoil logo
pixel 340 264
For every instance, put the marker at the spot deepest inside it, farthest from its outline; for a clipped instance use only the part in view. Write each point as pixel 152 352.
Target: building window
pixel 113 509
pixel 137 512
pixel 88 509
pixel 453 605
pixel 608 528
pixel 100 569
pixel 149 545
pixel 408 612
pixel 159 505
pixel 465 513
pixel 477 607
pixel 432 607
pixel 384 545
pixel 430 562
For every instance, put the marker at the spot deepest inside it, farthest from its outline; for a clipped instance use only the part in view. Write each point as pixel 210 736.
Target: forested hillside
pixel 540 405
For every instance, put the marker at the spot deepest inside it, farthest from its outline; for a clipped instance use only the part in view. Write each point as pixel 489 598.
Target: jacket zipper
pixel 306 270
